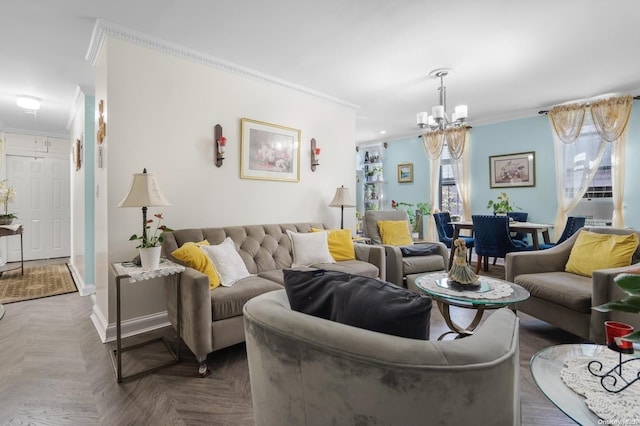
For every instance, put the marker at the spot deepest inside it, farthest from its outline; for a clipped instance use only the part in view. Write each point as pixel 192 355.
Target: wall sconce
pixel 221 143
pixel 315 155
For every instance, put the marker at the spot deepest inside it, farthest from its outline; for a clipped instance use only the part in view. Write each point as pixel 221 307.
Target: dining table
pixel 534 229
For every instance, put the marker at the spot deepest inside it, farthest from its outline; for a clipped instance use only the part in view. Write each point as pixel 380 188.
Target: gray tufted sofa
pixel 310 371
pixel 212 319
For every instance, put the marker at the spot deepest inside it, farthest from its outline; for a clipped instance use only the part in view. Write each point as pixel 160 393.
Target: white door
pixel 42 204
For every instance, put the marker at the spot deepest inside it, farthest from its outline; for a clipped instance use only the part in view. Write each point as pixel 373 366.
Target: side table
pixel 126 270
pixel 7 231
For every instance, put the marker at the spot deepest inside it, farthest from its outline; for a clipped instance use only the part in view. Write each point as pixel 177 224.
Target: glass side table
pixel 132 273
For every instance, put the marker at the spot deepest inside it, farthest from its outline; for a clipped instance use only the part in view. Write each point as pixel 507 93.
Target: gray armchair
pixel 306 370
pixel 564 299
pixel 399 267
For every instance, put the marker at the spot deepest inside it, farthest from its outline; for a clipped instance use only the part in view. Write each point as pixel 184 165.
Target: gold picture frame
pixel 512 170
pixel 269 151
pixel 405 172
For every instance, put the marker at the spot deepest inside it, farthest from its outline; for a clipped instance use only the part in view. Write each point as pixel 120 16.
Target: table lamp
pixel 342 199
pixel 144 192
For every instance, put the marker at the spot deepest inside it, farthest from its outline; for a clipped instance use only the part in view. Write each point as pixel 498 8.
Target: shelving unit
pixel 373 180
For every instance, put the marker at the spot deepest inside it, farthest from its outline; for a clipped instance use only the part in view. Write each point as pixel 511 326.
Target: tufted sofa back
pixel 262 247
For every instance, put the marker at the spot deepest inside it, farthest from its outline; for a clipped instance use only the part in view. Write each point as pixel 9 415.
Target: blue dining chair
pixel 573 224
pixel 492 239
pixel 445 231
pixel 519 217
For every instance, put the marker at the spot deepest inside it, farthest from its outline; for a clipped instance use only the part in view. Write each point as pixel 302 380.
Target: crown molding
pixel 104 29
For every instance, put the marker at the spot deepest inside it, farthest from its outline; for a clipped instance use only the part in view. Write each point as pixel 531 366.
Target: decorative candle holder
pixel 612 380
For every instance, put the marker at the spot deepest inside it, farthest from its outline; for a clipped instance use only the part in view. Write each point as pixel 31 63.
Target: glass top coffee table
pixel 490 293
pixel 546 366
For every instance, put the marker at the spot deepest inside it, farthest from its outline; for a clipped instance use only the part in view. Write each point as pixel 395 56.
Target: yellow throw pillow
pixel 593 251
pixel 395 232
pixel 193 257
pixel 340 243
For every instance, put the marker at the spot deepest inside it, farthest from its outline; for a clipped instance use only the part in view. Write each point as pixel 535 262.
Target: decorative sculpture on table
pixel 461 272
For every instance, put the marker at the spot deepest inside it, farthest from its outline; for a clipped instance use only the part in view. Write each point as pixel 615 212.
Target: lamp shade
pixel 342 198
pixel 144 192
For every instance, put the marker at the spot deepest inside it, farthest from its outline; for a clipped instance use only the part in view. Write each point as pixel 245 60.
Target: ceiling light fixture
pixel 439 120
pixel 28 102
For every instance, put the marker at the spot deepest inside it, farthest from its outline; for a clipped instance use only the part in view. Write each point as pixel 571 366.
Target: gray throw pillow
pixel 359 301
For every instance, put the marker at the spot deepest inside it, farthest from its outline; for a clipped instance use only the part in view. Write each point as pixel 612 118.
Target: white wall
pixel 161 111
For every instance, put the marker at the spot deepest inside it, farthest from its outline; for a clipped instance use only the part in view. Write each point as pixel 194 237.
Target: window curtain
pixel 578 153
pixel 433 143
pixel 457 140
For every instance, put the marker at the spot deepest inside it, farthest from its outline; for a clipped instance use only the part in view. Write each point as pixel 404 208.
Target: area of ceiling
pixel 509 59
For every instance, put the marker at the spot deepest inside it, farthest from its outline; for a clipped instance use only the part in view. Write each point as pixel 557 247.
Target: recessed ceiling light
pixel 382 132
pixel 28 102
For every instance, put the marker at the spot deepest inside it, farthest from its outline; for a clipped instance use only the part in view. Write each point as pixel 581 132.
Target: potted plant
pixel 415 216
pixel 630 284
pixel 7 195
pixel 502 204
pixel 150 243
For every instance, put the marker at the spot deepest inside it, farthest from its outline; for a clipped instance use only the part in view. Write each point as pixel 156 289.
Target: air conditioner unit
pixel 598 211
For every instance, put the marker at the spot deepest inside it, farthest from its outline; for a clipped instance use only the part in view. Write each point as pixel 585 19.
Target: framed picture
pixel 405 172
pixel 269 152
pixel 512 170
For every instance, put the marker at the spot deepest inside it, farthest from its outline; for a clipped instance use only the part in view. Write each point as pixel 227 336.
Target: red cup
pixel 614 331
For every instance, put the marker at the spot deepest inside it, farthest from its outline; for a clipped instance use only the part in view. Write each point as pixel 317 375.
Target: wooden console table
pixel 7 231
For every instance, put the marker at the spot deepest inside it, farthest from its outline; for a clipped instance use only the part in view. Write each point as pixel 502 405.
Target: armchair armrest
pixel 604 290
pixel 374 255
pixel 195 299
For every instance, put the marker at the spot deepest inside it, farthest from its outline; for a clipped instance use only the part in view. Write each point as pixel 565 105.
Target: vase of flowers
pixel 7 195
pixel 150 245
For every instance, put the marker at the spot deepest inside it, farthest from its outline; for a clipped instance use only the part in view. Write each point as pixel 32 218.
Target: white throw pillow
pixel 227 261
pixel 310 248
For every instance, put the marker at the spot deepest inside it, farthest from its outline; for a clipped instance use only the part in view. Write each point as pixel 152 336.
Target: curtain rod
pixel 546 111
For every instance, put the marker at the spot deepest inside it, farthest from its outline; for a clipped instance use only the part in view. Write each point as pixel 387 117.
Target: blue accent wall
pixel 522 135
pixel 89 188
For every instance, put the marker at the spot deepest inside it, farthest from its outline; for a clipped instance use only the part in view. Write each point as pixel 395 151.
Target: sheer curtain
pixel 457 141
pixel 433 143
pixel 580 132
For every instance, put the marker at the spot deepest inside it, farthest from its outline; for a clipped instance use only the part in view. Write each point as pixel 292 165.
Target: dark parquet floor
pixel 55 371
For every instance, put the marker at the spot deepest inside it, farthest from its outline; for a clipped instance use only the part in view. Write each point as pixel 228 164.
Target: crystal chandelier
pixel 440 120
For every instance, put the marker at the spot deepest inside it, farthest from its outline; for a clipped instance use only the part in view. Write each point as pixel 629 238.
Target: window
pixel 597 202
pixel 449 197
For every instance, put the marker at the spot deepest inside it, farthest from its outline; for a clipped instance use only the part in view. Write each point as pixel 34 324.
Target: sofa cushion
pixel 359 301
pixel 417 264
pixel 227 262
pixel 593 251
pixel 227 302
pixel 309 248
pixel 563 288
pixel 191 255
pixel 395 232
pixel 340 243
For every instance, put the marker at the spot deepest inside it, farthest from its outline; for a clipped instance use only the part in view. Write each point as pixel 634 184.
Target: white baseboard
pixel 83 288
pixel 130 327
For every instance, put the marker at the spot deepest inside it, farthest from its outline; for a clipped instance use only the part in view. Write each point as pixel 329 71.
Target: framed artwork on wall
pixel 269 152
pixel 405 172
pixel 512 170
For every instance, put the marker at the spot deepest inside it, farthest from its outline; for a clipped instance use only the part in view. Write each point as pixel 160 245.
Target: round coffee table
pixel 470 299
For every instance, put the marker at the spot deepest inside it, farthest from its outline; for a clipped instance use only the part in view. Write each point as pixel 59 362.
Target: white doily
pixel 499 289
pixel 136 273
pixel 614 408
